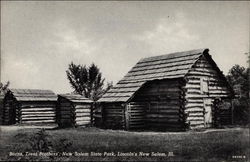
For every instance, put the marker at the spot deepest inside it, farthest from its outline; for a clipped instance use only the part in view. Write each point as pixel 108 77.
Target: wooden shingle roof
pixel 76 98
pixel 170 66
pixel 33 95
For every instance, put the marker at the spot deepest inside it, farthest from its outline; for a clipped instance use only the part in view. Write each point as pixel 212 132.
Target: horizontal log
pixel 193 86
pixel 37 109
pixel 194 105
pixel 82 118
pixel 207 66
pixel 189 118
pixel 140 120
pixel 39 121
pixel 82 113
pixel 165 107
pixel 137 105
pixel 87 106
pixel 197 126
pixel 114 115
pixel 193 91
pixel 83 110
pixel 193 122
pixel 196 114
pixel 36 118
pixel 192 100
pixel 215 87
pixel 198 73
pixel 83 122
pixel 35 104
pixel 137 108
pixel 195 96
pixel 161 120
pixel 137 118
pixel 219 93
pixel 211 70
pixel 160 115
pixel 38 115
pixel 37 112
pixel 194 109
pixel 136 111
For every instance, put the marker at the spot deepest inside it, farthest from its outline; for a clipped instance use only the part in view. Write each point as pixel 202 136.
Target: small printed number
pixel 239 157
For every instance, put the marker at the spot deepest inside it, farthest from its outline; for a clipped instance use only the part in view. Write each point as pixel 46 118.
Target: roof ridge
pixel 175 53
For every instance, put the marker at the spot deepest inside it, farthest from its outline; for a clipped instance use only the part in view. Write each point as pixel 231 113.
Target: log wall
pixel 10 113
pixel 135 115
pixel 73 114
pixel 32 112
pixel 97 115
pixel 194 98
pixel 1 108
pixel 83 114
pixel 65 113
pixel 164 103
pixel 114 115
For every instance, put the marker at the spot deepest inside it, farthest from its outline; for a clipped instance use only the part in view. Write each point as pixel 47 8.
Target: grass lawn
pixel 211 145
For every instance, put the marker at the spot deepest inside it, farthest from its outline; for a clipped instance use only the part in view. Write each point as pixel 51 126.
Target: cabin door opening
pixel 208 112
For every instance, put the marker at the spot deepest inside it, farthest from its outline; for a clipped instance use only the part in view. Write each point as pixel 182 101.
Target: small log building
pixel 74 110
pixel 29 106
pixel 167 92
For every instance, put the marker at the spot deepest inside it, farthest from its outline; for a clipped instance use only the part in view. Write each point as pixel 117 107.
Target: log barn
pixel 29 106
pixel 168 92
pixel 74 110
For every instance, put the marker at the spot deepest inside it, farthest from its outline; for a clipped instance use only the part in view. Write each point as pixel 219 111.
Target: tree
pixel 238 79
pixel 4 87
pixel 87 81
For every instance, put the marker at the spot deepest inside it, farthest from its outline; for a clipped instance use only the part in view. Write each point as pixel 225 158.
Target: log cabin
pixel 29 106
pixel 74 110
pixel 168 92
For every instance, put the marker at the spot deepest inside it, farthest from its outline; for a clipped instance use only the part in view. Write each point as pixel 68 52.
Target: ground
pixel 92 144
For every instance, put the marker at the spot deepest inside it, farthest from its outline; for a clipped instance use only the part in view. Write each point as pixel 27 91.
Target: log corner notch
pixel 74 110
pixel 171 87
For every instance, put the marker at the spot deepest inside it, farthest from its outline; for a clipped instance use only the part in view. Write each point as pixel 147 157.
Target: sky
pixel 39 39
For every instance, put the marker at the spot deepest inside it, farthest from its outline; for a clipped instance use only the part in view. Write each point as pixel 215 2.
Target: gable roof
pixel 76 98
pixel 33 95
pixel 169 66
